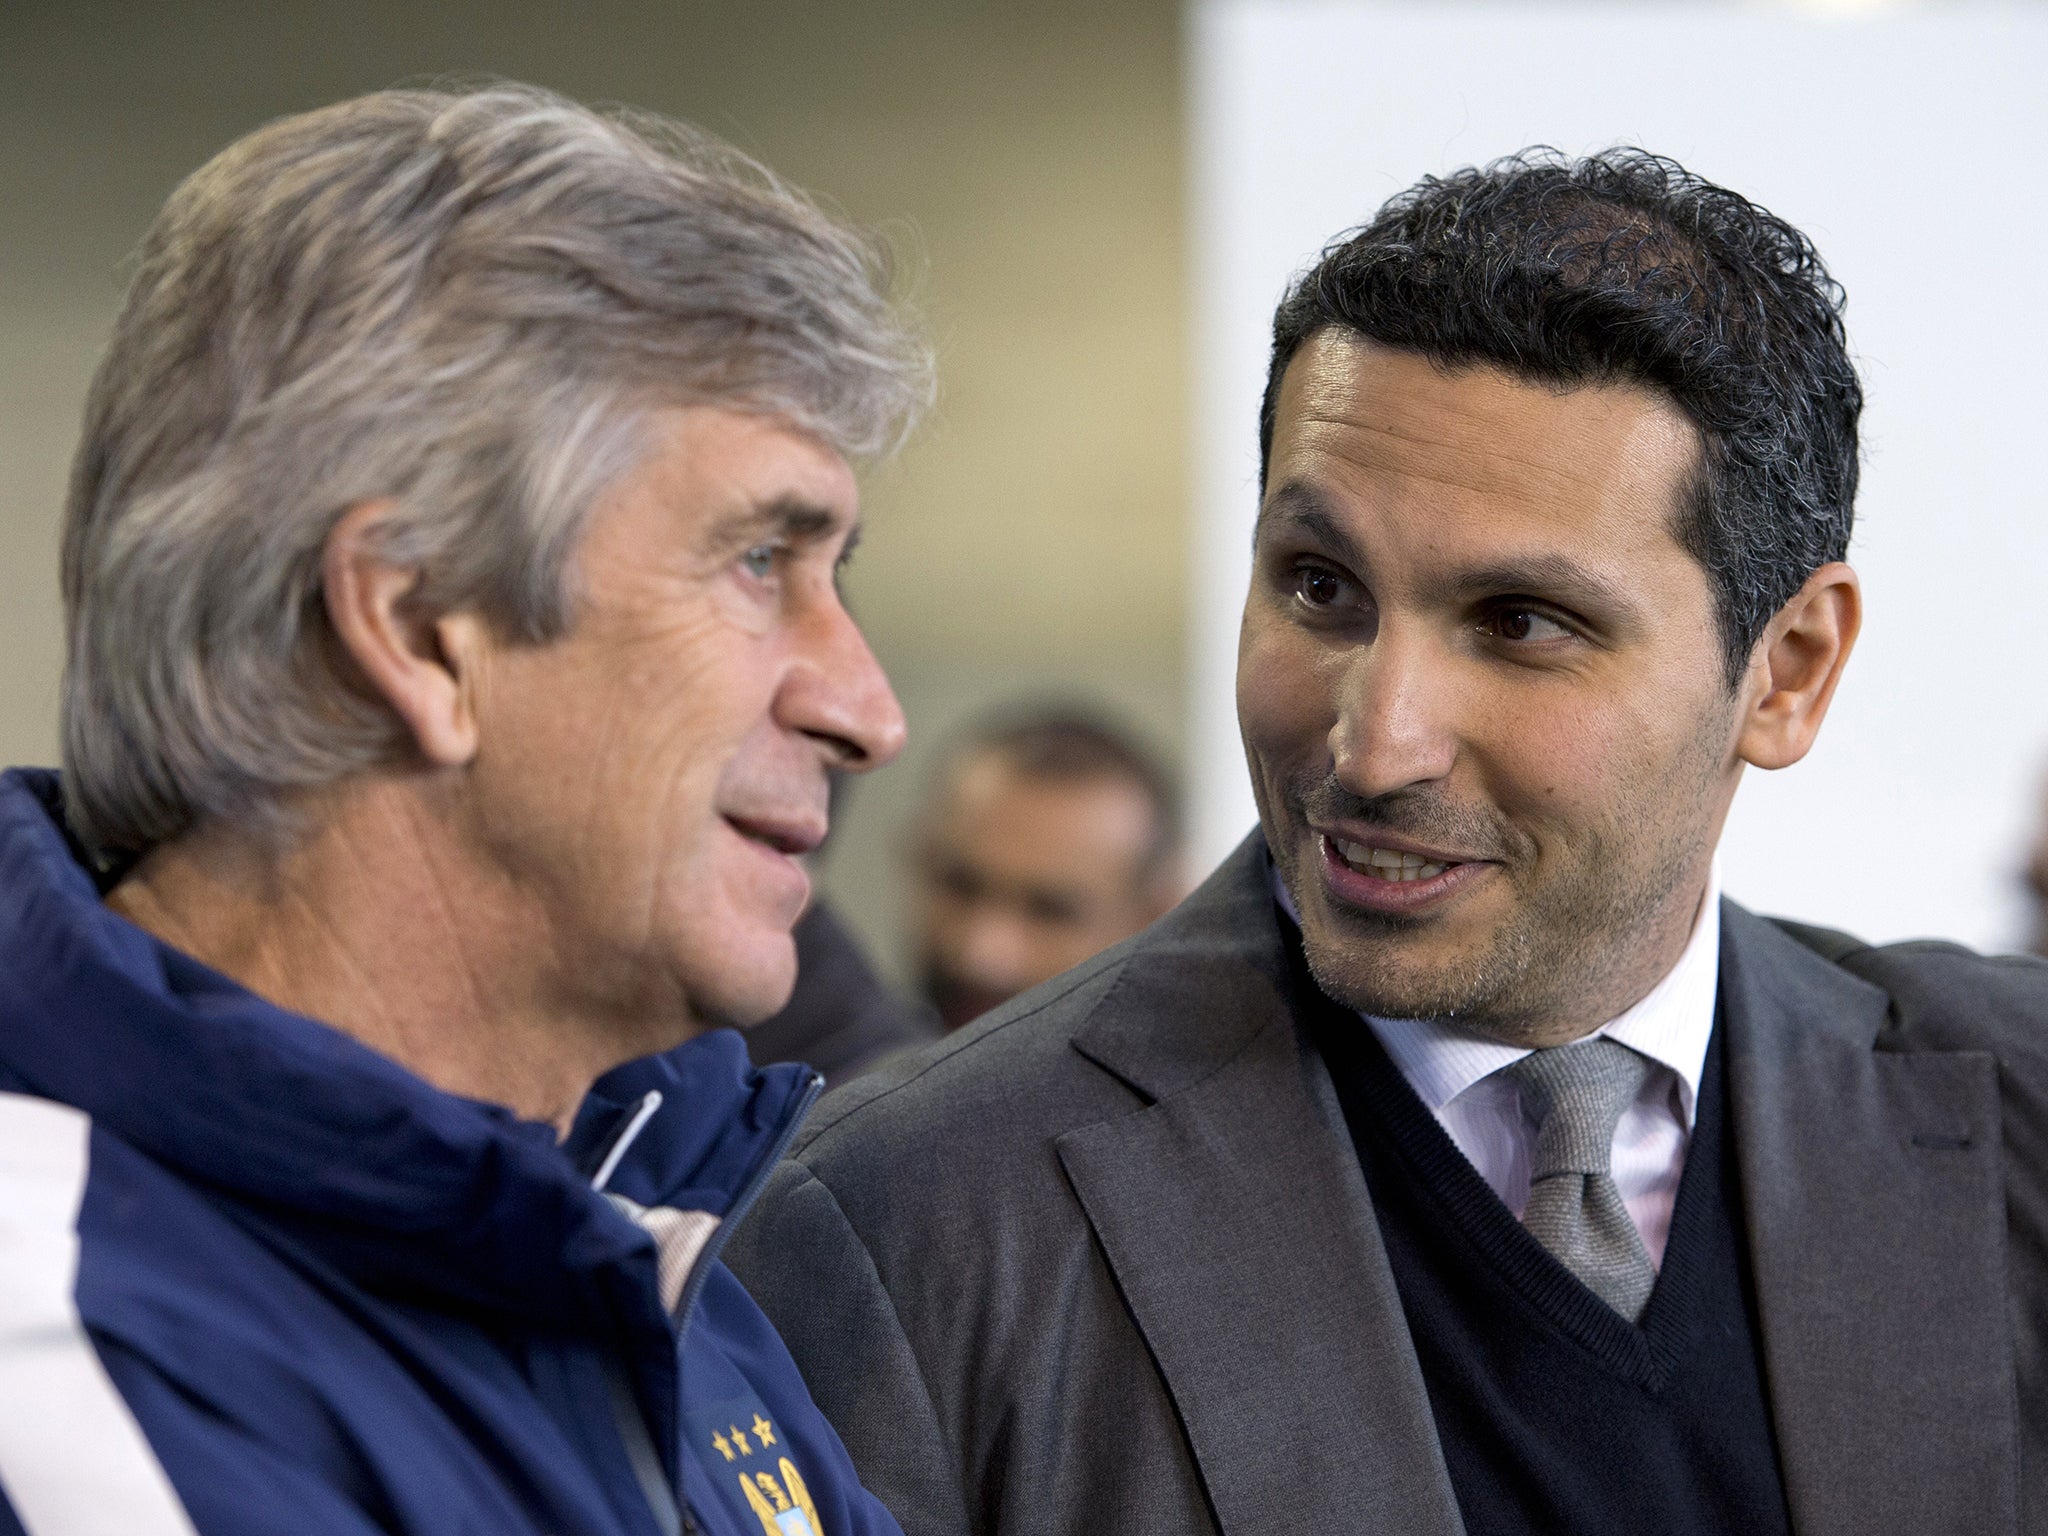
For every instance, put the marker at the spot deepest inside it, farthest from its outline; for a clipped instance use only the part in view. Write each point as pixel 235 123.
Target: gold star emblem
pixel 721 1445
pixel 763 1431
pixel 739 1439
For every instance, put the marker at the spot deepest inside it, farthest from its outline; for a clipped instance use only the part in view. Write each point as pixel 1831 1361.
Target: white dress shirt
pixel 1451 1071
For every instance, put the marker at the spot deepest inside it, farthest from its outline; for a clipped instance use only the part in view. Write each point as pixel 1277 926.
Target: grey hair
pixel 465 302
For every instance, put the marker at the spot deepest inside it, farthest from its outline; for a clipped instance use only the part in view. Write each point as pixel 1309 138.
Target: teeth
pixel 1386 863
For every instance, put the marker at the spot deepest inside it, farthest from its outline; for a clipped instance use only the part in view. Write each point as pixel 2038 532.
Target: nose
pixel 838 695
pixel 1393 727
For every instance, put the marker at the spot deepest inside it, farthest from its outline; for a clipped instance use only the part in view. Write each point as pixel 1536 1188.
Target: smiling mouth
pixel 790 840
pixel 1388 863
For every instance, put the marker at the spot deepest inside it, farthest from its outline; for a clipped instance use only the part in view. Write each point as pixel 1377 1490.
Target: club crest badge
pixel 742 1448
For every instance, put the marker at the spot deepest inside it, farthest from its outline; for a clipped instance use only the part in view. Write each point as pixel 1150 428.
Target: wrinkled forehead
pixel 729 452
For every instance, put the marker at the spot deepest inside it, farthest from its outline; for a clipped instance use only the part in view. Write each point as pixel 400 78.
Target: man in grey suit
pixel 1455 1159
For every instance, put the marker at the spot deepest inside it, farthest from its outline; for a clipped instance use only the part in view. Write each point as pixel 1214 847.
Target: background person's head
pixel 1050 836
pixel 1559 467
pixel 461 498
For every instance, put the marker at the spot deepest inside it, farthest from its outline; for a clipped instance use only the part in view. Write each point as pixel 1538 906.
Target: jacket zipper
pixel 743 1202
pixel 700 1271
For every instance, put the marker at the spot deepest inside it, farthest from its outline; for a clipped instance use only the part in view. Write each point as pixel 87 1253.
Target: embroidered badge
pixel 740 1446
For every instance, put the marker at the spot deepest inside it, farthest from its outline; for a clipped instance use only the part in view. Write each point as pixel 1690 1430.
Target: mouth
pixel 781 843
pixel 1387 875
pixel 791 836
pixel 1389 863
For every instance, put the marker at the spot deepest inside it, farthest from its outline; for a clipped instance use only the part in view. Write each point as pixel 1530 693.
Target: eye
pixel 1053 908
pixel 1523 625
pixel 761 560
pixel 1319 587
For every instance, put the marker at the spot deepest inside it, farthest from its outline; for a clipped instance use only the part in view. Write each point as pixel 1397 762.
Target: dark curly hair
pixel 1626 267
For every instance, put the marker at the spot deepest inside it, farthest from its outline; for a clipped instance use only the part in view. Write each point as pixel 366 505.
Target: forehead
pixel 712 472
pixel 1476 457
pixel 989 804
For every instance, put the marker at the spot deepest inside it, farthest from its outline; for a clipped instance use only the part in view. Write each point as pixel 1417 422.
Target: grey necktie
pixel 1576 1094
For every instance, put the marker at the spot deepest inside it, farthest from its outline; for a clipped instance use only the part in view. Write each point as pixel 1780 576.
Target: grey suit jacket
pixel 1105 1262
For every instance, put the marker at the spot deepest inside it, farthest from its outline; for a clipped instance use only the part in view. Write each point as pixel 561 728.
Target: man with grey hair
pixel 456 664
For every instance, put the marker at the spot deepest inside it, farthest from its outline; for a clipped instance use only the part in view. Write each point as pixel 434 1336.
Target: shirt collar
pixel 1671 1025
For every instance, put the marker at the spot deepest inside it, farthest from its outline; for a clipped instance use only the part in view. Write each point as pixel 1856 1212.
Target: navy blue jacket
pixel 255 1277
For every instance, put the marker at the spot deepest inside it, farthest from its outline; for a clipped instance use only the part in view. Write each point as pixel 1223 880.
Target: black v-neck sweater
pixel 1557 1414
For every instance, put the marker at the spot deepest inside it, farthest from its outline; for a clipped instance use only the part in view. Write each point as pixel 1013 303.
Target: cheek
pixel 739 612
pixel 690 696
pixel 1286 696
pixel 644 740
pixel 1553 754
pixel 1586 762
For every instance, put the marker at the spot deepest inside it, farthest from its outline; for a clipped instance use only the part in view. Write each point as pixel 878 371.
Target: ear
pixel 1797 662
pixel 425 669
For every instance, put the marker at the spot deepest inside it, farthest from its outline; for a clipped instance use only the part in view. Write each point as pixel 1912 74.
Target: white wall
pixel 1911 146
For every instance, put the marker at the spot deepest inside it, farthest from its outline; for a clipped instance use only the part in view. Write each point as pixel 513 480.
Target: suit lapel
pixel 1876 1217
pixel 1236 1220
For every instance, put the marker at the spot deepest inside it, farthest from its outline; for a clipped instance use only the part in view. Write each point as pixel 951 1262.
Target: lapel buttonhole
pixel 1941 1141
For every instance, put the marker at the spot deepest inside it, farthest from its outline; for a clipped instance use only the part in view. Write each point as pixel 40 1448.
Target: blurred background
pixel 1101 202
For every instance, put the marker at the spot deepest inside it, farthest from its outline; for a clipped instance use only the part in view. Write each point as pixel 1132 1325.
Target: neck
pixel 369 920
pixel 1668 938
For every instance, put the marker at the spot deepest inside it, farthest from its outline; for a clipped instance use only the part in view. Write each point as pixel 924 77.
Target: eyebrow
pixel 1551 576
pixel 792 517
pixel 1557 577
pixel 1302 508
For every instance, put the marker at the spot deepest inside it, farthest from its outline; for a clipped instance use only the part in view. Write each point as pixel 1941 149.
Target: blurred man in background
pixel 1051 835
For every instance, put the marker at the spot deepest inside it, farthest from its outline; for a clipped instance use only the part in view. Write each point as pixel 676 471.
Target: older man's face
pixel 653 779
pixel 1482 690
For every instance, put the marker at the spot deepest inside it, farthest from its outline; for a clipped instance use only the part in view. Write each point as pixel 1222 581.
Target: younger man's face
pixel 1482 689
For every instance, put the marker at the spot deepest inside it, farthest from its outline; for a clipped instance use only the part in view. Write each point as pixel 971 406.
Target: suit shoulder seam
pixel 1078 978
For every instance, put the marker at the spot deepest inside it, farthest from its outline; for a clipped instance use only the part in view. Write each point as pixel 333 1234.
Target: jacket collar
pixel 1231 1208
pixel 1871 1182
pixel 719 1123
pixel 343 1149
pixel 1874 1194
pixel 1215 965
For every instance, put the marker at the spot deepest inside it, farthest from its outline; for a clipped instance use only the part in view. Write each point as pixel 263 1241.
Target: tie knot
pixel 1576 1094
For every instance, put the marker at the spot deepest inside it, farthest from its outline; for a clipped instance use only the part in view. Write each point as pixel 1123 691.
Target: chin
pixel 744 979
pixel 1371 975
